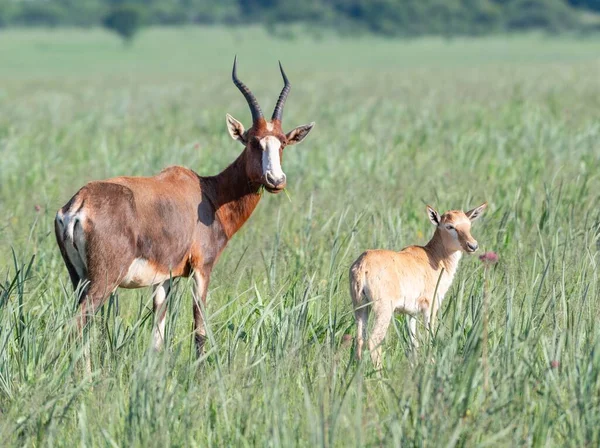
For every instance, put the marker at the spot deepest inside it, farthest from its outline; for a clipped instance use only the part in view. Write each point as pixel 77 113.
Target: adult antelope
pixel 384 281
pixel 132 232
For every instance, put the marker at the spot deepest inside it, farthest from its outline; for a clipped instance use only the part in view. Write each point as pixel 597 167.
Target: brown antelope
pixel 132 232
pixel 384 281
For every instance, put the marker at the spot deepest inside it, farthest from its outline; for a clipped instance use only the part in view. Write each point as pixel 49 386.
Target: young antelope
pixel 384 281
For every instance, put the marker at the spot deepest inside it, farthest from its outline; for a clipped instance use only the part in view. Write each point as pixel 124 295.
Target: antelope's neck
pixel 446 259
pixel 233 196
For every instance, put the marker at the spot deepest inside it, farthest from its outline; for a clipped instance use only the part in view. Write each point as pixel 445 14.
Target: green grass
pixel 513 121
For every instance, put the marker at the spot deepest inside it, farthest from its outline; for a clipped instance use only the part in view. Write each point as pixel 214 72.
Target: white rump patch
pixel 71 232
pixel 141 273
pixel 271 162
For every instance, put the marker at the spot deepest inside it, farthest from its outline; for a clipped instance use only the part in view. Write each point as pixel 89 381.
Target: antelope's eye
pixel 450 227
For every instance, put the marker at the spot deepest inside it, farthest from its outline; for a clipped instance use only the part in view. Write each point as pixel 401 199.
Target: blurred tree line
pixel 386 17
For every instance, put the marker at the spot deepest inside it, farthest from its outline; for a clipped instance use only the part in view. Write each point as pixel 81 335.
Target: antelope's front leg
pixel 429 315
pixel 161 291
pixel 201 280
pixel 427 308
pixel 412 330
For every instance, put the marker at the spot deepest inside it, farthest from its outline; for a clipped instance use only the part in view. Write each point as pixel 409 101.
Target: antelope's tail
pixel 357 283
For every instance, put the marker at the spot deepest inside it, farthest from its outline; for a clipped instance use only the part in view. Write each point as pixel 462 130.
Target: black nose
pixel 275 183
pixel 472 246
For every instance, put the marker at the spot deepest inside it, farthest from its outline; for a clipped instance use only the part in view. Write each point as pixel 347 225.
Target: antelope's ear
pixel 236 129
pixel 298 134
pixel 476 212
pixel 434 216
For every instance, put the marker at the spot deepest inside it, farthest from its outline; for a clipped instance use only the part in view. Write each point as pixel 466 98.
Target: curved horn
pixel 278 112
pixel 250 98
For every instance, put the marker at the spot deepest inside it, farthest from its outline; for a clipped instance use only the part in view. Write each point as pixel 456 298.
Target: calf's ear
pixel 434 216
pixel 476 212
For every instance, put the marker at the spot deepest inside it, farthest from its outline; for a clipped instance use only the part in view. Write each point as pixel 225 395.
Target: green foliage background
pixel 386 17
pixel 513 121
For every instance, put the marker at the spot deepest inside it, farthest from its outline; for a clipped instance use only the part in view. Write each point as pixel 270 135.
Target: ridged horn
pixel 250 98
pixel 278 112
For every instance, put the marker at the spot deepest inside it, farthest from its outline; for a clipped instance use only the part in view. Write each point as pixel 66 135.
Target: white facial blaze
pixel 271 162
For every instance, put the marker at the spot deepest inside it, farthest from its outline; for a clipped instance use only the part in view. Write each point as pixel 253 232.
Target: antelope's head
pixel 454 227
pixel 265 140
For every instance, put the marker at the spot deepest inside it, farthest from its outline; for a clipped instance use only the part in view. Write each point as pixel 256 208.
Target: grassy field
pixel 512 121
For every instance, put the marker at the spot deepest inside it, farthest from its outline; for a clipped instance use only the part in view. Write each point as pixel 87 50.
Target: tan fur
pixel 385 281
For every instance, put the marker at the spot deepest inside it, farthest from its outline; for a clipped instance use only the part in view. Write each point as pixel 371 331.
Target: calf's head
pixel 454 227
pixel 265 141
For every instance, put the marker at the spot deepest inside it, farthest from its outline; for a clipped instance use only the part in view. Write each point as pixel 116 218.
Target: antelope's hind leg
pixel 92 296
pixel 383 318
pixel 107 262
pixel 362 319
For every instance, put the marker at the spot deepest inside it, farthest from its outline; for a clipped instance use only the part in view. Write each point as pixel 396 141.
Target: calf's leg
pixel 383 317
pixel 362 319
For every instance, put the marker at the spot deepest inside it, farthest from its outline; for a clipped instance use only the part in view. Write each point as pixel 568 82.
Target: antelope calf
pixel 384 281
pixel 132 232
